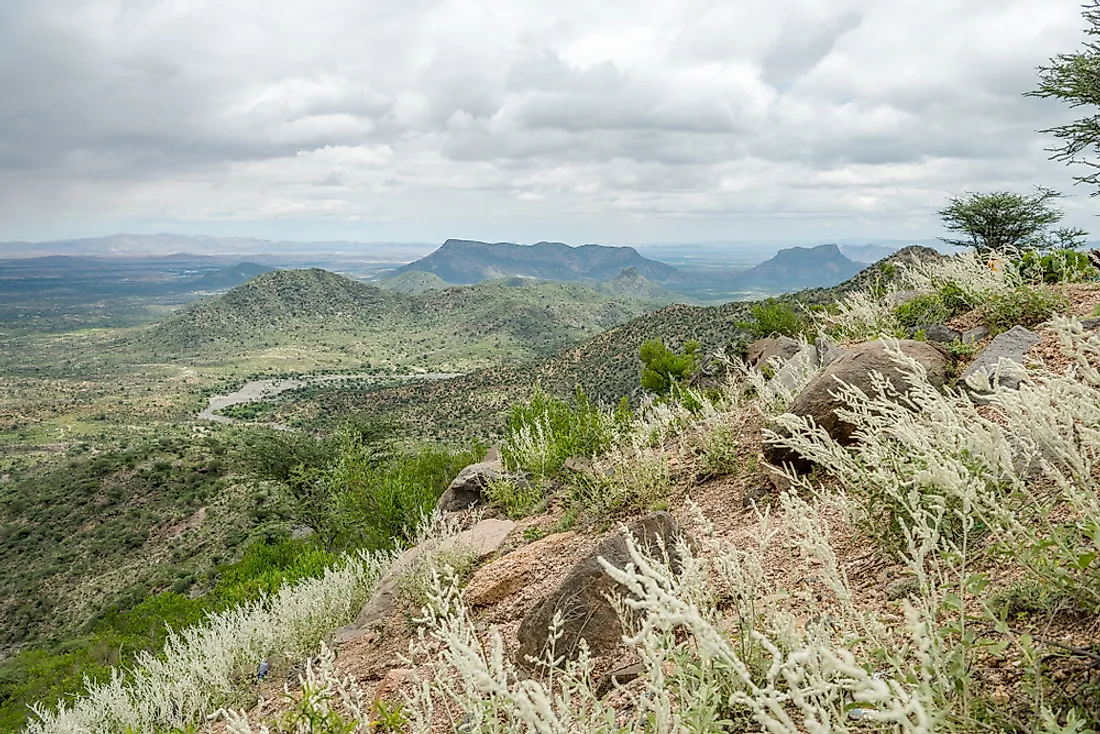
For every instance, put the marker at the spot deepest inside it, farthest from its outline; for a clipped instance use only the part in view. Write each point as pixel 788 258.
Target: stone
pixel 582 595
pixel 940 334
pixel 619 676
pixel 1090 324
pixel 762 350
pixel 508 574
pixel 827 351
pixel 794 372
pixel 465 491
pixel 483 539
pixel 1011 346
pixel 818 399
pixel 900 298
pixel 976 334
pixel 389 685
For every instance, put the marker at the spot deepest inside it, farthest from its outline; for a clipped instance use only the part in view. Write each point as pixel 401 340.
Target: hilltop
pixel 801 267
pixel 632 284
pixel 229 277
pixel 467 261
pixel 316 311
pixel 414 281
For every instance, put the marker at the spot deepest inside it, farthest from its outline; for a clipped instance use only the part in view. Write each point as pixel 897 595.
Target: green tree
pixel 1075 78
pixel 661 367
pixel 1002 221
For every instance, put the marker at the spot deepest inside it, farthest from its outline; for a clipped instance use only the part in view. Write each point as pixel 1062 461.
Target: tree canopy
pixel 1002 221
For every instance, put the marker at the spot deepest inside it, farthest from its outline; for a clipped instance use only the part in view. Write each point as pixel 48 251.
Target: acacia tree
pixel 1075 78
pixel 1002 221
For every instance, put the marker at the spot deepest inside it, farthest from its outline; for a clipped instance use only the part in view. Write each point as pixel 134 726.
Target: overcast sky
pixel 577 120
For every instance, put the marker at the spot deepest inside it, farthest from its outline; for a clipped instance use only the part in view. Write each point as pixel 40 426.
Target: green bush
pixel 1023 306
pixel 546 431
pixel 662 367
pixel 1056 266
pixel 923 310
pixel 774 317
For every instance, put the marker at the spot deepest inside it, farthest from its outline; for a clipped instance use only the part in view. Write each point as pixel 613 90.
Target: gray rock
pixel 465 491
pixel 818 399
pixel 794 371
pixel 974 335
pixel 301 532
pixel 827 351
pixel 900 298
pixel 1011 346
pixel 582 595
pixel 619 676
pixel 940 334
pixel 1090 324
pixel 762 350
pixel 482 539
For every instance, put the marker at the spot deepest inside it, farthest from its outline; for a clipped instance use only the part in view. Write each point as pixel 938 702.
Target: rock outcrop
pixel 582 595
pixel 466 489
pixel 762 350
pixel 1010 346
pixel 818 399
pixel 483 539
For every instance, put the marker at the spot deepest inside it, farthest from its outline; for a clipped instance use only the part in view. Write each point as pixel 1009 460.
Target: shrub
pixel 517 499
pixel 661 367
pixel 546 431
pixel 1056 266
pixel 720 448
pixel 924 310
pixel 1023 306
pixel 774 317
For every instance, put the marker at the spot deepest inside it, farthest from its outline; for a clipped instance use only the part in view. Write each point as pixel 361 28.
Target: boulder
pixel 1011 346
pixel 465 491
pixel 1091 324
pixel 483 539
pixel 827 351
pixel 512 571
pixel 818 400
pixel 582 595
pixel 939 333
pixel 974 335
pixel 762 350
pixel 794 372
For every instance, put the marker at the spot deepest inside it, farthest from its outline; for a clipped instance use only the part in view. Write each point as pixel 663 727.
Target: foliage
pixel 924 310
pixel 1056 266
pixel 542 433
pixel 720 450
pixel 1003 221
pixel 1072 78
pixel 1023 306
pixel 662 367
pixel 518 498
pixel 774 317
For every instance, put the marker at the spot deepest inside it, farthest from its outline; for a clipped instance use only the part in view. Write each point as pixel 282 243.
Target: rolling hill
pixel 414 281
pixel 466 262
pixel 315 311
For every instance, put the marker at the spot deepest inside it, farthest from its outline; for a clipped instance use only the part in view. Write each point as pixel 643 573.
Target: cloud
pixel 527 120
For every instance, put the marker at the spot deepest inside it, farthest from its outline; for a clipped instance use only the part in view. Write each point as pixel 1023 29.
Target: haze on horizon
pixel 614 122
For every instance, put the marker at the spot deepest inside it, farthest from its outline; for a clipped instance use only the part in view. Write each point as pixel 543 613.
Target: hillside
pixel 632 284
pixel 319 311
pixel 801 267
pixel 414 281
pixel 466 261
pixel 229 277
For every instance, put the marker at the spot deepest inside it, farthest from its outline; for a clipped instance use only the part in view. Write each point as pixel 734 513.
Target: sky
pixel 610 121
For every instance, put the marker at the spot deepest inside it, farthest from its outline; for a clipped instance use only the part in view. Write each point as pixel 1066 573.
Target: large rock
pixel 855 367
pixel 511 572
pixel 466 489
pixel 763 350
pixel 582 595
pixel 482 539
pixel 1011 346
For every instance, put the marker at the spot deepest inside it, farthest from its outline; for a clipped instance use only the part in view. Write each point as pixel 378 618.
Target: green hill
pixel 413 282
pixel 632 284
pixel 230 277
pixel 322 312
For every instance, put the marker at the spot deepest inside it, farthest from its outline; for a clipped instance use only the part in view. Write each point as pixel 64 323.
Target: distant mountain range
pixel 467 261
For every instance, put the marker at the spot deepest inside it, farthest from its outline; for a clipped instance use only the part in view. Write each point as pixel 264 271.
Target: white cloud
pixel 612 121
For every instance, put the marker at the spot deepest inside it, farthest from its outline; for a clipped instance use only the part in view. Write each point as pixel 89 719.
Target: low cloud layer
pixel 615 121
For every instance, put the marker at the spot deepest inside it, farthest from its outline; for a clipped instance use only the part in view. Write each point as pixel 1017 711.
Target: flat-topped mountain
pixel 802 267
pixel 467 261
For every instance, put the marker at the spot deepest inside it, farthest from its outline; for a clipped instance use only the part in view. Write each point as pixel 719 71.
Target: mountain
pixel 230 277
pixel 414 281
pixel 466 261
pixel 314 310
pixel 632 284
pixel 868 253
pixel 801 267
